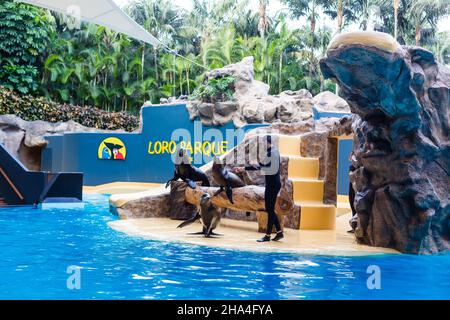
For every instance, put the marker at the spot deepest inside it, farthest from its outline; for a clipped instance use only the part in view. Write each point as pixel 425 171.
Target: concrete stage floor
pixel 120 188
pixel 242 235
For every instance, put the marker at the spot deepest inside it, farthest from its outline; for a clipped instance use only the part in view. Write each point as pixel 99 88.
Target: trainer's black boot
pixel 278 236
pixel 266 238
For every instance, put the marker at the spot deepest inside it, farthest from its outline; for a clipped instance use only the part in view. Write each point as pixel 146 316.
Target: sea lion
pixel 209 214
pixel 187 172
pixel 225 179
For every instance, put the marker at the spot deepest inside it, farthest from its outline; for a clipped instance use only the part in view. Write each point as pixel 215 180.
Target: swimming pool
pixel 38 247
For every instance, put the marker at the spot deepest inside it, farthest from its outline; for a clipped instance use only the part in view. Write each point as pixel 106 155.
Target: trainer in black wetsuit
pixel 351 193
pixel 351 198
pixel 273 186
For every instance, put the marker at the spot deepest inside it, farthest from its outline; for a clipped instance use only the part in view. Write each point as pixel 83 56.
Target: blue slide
pixel 20 186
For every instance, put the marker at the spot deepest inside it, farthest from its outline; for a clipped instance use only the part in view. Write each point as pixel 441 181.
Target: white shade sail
pixel 102 12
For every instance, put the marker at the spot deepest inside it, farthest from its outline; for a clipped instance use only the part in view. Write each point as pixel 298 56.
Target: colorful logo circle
pixel 112 149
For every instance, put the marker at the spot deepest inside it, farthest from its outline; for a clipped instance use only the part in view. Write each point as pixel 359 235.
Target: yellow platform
pixel 289 145
pixel 308 189
pixel 343 205
pixel 301 167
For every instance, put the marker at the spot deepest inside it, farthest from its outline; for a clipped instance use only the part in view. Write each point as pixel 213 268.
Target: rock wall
pixel 147 204
pixel 401 141
pixel 25 139
pixel 253 104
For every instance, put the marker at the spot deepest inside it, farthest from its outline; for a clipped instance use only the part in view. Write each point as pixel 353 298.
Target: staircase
pixel 308 189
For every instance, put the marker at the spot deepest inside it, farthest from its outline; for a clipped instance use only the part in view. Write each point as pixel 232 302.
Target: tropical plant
pixel 25 33
pixel 216 89
pixel 92 65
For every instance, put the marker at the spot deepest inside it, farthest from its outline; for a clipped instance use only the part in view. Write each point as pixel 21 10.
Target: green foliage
pixel 25 33
pixel 31 108
pixel 217 89
pixel 18 77
pixel 95 66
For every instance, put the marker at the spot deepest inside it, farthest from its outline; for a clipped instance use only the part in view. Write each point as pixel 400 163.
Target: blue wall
pixel 78 152
pixel 344 149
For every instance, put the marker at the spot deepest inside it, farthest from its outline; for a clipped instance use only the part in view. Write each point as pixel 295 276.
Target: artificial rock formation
pixel 147 204
pixel 179 208
pixel 252 103
pixel 401 141
pixel 25 139
pixel 246 199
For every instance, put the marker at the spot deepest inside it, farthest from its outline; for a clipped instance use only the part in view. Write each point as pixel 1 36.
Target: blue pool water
pixel 37 247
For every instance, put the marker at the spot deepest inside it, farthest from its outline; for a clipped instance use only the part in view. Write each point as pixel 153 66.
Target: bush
pixel 30 108
pixel 217 89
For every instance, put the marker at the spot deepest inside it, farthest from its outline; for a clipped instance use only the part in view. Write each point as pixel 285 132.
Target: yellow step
pixel 308 189
pixel 289 145
pixel 343 205
pixel 317 216
pixel 300 167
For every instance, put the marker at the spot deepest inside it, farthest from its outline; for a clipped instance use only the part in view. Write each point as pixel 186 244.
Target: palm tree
pixel 284 39
pixel 423 12
pixel 340 13
pixel 161 19
pixel 307 8
pixel 396 5
pixel 263 20
pixel 247 24
pixel 364 9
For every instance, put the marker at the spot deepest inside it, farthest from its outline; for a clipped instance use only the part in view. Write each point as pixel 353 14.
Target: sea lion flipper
pixel 218 191
pixel 189 221
pixel 196 233
pixel 205 181
pixel 212 226
pixel 229 192
pixel 175 178
pixel 168 182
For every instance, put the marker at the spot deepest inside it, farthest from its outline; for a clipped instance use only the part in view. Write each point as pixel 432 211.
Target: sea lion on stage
pixel 225 179
pixel 209 214
pixel 185 171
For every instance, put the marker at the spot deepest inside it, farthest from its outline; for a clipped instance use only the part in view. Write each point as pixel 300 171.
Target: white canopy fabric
pixel 102 12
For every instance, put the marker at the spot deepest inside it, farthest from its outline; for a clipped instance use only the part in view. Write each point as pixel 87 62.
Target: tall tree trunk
pixel 155 57
pixel 143 61
pixel 322 82
pixel 187 82
pixel 262 25
pixel 340 15
pixel 313 25
pixel 181 82
pixel 174 88
pixel 313 40
pixel 396 5
pixel 418 35
pixel 280 71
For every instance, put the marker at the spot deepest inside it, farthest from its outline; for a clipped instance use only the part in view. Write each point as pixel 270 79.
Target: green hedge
pixel 31 108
